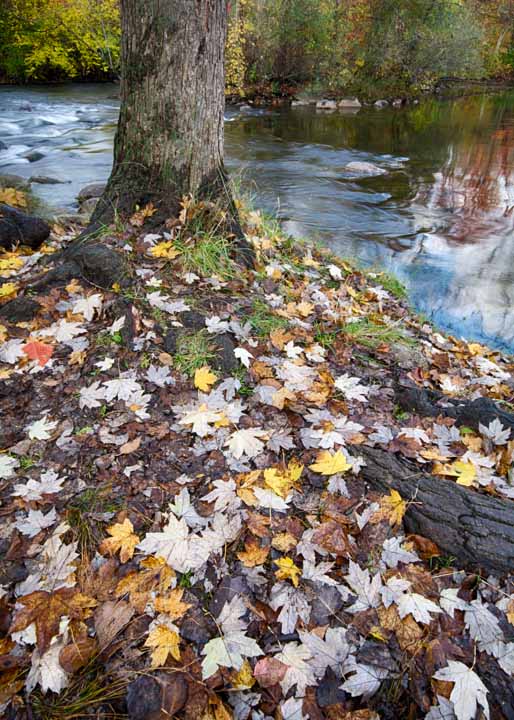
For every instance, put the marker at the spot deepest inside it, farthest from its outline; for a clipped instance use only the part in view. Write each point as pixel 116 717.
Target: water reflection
pixel 441 216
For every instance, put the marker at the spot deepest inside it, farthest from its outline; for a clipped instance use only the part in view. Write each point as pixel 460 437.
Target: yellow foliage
pixel 11 196
pixel 287 570
pixel 204 378
pixel 163 642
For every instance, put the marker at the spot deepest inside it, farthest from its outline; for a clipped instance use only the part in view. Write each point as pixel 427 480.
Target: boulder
pixel 18 228
pixel 349 103
pixel 87 206
pixel 397 103
pixel 45 180
pixel 21 309
pixel 93 190
pixel 381 104
pixel 33 155
pixel 14 181
pixel 365 168
pixel 326 105
pixel 300 103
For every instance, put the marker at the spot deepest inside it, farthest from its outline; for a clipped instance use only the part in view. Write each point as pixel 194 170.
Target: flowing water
pixel 425 191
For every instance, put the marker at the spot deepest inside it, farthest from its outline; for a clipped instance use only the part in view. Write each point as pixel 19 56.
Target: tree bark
pixel 476 529
pixel 169 141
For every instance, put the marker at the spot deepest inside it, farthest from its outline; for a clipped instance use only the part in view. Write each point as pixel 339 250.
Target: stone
pixel 45 180
pixel 93 190
pixel 300 103
pixel 99 264
pixel 157 697
pixel 14 181
pixel 170 341
pixel 3 146
pixel 21 309
pixel 18 228
pixel 365 168
pixel 25 106
pixel 33 155
pixel 87 206
pixel 397 103
pixel 381 104
pixel 192 320
pixel 326 105
pixel 349 103
pixel 225 360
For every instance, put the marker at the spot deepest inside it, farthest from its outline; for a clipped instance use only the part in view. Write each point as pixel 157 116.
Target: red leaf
pixel 38 351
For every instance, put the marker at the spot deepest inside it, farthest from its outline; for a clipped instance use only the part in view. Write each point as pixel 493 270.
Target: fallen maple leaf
pixel 38 351
pixel 122 538
pixel 204 378
pixel 45 610
pixel 287 570
pixel 328 464
pixel 164 642
pixel 172 604
pixel 392 508
pixel 253 554
pixel 154 576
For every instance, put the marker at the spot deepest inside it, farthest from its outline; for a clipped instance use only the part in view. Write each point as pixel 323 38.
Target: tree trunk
pixel 169 141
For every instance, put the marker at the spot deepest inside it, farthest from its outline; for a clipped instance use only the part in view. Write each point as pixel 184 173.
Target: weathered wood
pixel 477 529
pixel 465 412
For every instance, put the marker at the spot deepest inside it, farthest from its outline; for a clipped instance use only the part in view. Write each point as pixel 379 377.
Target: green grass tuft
pixel 263 320
pixel 207 254
pixel 369 334
pixel 193 351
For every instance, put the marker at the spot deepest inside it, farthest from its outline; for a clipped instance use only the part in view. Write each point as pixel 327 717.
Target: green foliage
pixel 59 39
pixel 263 321
pixel 193 352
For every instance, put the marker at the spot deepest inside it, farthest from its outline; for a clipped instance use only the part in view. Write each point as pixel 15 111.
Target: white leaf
pixel 333 652
pixel 449 601
pixel 35 522
pixel 495 432
pixel 92 396
pixel 47 671
pixel 296 377
pixel 121 388
pixel 468 690
pixel 8 466
pixel 63 331
pixel 48 484
pixel 317 573
pixel 223 496
pixel 351 388
pixel 393 553
pixel 292 709
pixel 483 626
pixel 442 711
pixel 105 364
pixel 172 544
pixel 366 588
pixel 335 272
pixel 11 351
pixel 365 681
pixel 117 325
pixel 293 604
pixel 215 324
pixel 87 306
pixel 246 442
pixel 269 499
pixel 418 606
pixel 243 356
pixel 41 429
pixel 393 590
pixel 200 419
pixel 159 376
pixel 183 508
pixel 298 672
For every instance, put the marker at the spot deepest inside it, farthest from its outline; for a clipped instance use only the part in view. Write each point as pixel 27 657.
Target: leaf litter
pixel 210 530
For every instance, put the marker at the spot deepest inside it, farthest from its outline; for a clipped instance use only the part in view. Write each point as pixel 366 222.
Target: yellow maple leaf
pixel 9 263
pixel 287 570
pixel 204 378
pixel 244 679
pixel 393 507
pixel 465 472
pixel 253 554
pixel 328 464
pixel 164 642
pixel 8 290
pixel 11 196
pixel 165 250
pixel 280 484
pixel 122 538
pixel 172 604
pixel 284 542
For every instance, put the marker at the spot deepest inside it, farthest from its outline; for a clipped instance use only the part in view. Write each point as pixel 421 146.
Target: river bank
pixel 194 454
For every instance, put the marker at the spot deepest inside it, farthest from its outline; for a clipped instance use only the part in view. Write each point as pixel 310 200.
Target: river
pixel 436 205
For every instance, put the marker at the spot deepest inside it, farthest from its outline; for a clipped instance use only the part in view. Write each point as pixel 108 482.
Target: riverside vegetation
pixel 370 47
pixel 217 485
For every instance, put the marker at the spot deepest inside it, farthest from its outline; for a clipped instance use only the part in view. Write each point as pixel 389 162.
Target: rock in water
pixel 326 105
pixel 18 228
pixel 93 190
pixel 349 103
pixel 365 168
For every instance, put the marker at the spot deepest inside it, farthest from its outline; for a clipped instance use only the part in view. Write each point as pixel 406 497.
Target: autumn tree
pixel 169 141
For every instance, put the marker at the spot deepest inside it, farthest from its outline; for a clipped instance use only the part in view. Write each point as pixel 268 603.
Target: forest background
pixel 277 47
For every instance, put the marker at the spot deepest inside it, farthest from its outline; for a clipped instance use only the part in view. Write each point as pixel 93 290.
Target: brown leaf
pixel 424 547
pixel 110 618
pixel 172 604
pixel 130 446
pixel 269 671
pixel 154 575
pixel 45 609
pixel 332 537
pixel 74 656
pixel 253 554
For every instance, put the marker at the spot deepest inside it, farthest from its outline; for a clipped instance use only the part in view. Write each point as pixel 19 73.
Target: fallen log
pixel 476 529
pixel 465 412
